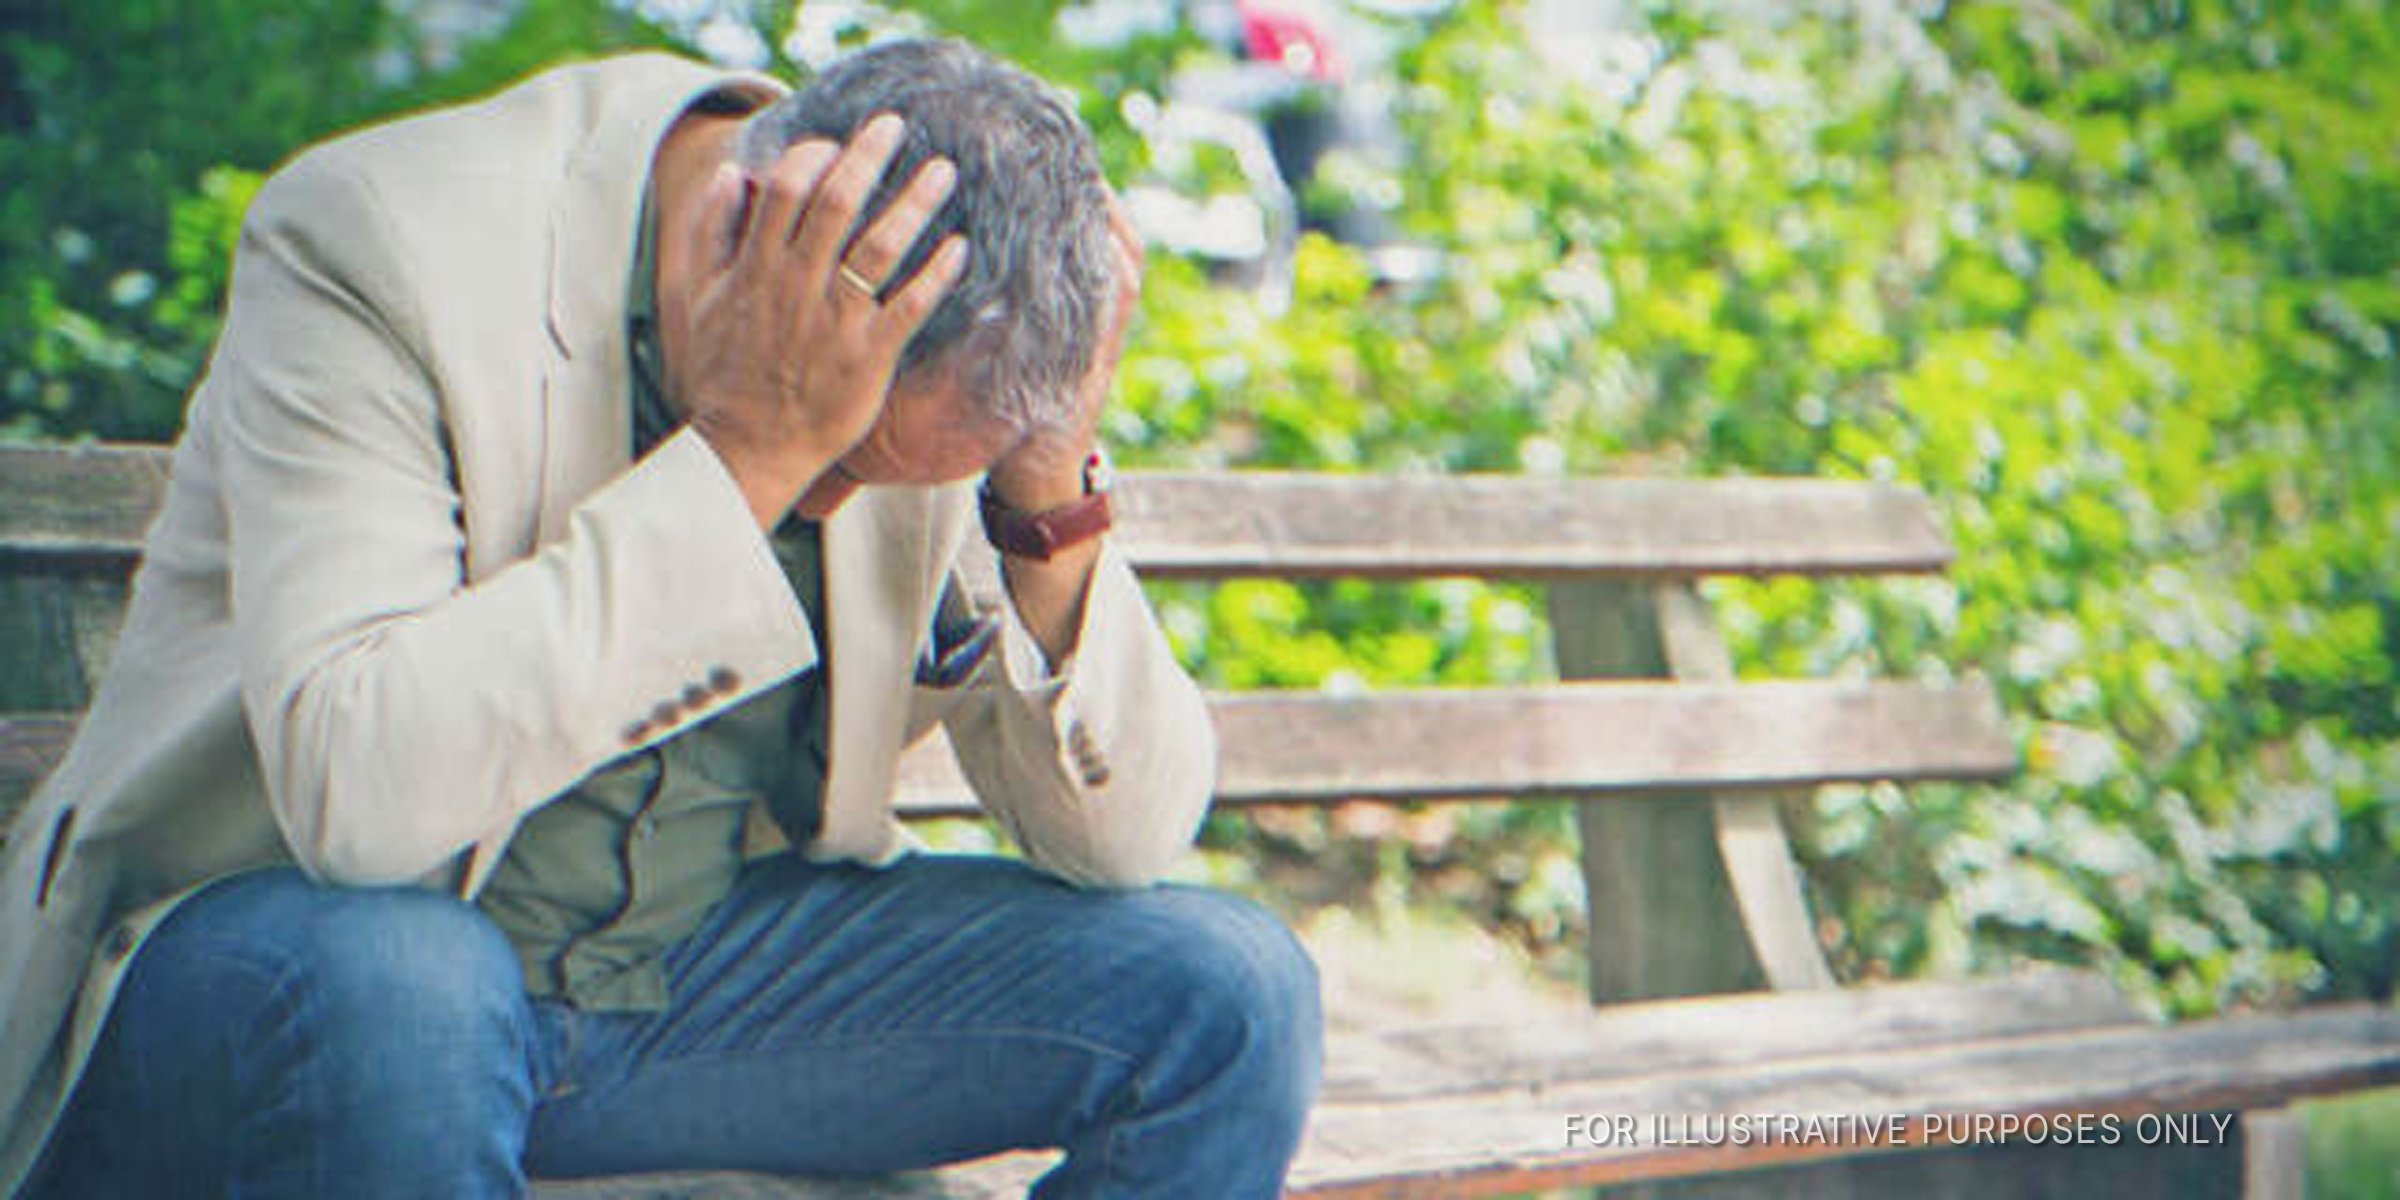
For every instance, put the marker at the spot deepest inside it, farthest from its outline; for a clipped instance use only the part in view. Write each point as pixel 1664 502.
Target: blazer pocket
pixel 54 856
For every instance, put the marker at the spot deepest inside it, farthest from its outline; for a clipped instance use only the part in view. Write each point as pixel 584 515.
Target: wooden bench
pixel 1714 996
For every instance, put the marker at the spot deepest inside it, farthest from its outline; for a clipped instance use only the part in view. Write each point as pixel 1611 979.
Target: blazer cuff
pixel 1119 652
pixel 1028 671
pixel 722 622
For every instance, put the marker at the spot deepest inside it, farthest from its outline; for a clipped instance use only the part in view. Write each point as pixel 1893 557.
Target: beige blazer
pixel 406 585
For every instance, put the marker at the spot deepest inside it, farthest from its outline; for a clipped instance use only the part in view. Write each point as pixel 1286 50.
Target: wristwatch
pixel 1041 534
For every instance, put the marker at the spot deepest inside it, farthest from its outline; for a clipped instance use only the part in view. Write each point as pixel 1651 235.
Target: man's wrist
pixel 1062 516
pixel 1049 482
pixel 770 484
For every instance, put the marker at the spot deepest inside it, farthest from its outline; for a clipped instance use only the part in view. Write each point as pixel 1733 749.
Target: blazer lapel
pixel 586 404
pixel 879 593
pixel 585 398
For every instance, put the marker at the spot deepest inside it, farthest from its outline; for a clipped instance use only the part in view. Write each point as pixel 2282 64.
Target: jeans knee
pixel 1252 981
pixel 353 1042
pixel 385 966
pixel 390 961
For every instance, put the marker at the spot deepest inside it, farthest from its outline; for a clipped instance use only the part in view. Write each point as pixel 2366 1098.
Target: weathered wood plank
pixel 1751 846
pixel 2274 1155
pixel 1661 917
pixel 30 746
pixel 1008 1177
pixel 57 632
pixel 79 506
pixel 87 508
pixel 2009 1171
pixel 1589 738
pixel 1496 742
pixel 1514 1139
pixel 1714 1032
pixel 2049 1043
pixel 1300 525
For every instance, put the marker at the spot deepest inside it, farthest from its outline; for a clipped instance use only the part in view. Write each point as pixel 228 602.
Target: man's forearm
pixel 1049 595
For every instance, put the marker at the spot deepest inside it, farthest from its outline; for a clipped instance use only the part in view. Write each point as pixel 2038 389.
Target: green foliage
pixel 2350 1146
pixel 2114 281
pixel 2115 287
pixel 131 134
pixel 2102 317
pixel 112 111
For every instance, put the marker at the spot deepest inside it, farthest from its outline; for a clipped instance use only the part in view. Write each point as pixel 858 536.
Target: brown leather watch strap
pixel 1041 534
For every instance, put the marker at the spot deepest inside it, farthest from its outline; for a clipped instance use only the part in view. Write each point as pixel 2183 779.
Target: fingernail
pixel 885 125
pixel 940 173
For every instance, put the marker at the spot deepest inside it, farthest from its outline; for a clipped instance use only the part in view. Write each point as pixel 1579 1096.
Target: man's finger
pixel 785 190
pixel 906 310
pixel 835 207
pixel 878 252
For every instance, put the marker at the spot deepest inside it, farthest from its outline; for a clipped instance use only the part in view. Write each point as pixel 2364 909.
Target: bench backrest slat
pixel 1586 739
pixel 1294 525
pixel 86 508
pixel 78 506
pixel 1311 748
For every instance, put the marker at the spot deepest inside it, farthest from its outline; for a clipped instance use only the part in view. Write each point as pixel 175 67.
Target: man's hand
pixel 1046 469
pixel 780 363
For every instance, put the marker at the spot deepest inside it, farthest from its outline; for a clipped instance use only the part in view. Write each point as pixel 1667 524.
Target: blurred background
pixel 2117 282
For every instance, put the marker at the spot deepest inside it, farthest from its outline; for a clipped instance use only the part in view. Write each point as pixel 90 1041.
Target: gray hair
pixel 1022 324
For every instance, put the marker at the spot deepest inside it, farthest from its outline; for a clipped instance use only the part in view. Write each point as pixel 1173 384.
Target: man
pixel 569 518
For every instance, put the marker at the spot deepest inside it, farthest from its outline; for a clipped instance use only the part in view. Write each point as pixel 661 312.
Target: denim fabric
pixel 278 1038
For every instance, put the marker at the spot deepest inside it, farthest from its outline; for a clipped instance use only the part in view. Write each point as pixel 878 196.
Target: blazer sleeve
pixel 400 713
pixel 1100 772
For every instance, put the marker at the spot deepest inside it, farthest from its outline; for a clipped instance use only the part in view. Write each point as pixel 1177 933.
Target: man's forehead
pixel 944 396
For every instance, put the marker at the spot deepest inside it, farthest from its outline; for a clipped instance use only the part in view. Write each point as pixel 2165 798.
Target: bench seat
pixel 1444 1110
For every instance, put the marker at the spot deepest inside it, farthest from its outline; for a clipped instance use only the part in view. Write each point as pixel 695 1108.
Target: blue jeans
pixel 277 1038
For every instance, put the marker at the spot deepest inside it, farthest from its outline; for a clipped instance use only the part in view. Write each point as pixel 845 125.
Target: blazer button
pixel 667 713
pixel 696 696
pixel 119 944
pixel 723 679
pixel 1095 775
pixel 1079 739
pixel 635 732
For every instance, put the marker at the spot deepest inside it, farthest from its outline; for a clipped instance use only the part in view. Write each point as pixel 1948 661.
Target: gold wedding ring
pixel 858 283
